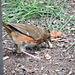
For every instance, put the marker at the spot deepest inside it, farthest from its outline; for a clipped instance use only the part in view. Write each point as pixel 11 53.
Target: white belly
pixel 31 44
pixel 25 44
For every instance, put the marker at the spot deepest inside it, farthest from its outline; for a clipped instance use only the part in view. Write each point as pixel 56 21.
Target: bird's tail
pixel 8 29
pixel 7 26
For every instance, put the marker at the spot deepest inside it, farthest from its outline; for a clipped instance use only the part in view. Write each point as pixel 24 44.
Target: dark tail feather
pixel 8 29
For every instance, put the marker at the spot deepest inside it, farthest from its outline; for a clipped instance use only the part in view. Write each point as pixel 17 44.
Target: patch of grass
pixel 18 11
pixel 71 45
pixel 52 12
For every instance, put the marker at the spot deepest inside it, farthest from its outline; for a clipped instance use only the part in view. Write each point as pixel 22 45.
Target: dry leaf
pixel 42 68
pixel 69 44
pixel 59 33
pixel 53 33
pixel 37 52
pixel 47 56
pixel 6 57
pixel 54 40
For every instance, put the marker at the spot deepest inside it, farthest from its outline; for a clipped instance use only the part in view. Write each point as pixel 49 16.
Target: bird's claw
pixel 35 57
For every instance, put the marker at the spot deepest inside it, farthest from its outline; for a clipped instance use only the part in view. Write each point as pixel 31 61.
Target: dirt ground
pixel 62 61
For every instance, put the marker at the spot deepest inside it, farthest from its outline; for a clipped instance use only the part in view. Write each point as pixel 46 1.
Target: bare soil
pixel 62 61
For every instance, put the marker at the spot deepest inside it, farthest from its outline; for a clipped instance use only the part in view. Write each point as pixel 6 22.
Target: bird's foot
pixel 35 57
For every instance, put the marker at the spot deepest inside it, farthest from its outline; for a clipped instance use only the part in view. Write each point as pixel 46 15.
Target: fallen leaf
pixel 38 52
pixel 42 68
pixel 47 56
pixel 6 57
pixel 53 33
pixel 54 40
pixel 59 33
pixel 69 44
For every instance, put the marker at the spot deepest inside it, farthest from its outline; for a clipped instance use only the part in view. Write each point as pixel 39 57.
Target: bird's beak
pixel 50 45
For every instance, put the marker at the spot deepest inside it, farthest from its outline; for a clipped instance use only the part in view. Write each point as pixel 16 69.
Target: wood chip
pixel 42 68
pixel 47 56
pixel 6 57
pixel 37 52
pixel 54 40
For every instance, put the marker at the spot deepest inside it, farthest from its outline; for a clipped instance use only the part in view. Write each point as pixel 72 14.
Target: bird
pixel 26 35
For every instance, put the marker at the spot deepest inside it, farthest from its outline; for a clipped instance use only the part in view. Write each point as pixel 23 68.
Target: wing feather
pixel 32 31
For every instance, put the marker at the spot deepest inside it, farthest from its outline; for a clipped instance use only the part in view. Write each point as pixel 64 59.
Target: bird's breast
pixel 24 40
pixel 31 44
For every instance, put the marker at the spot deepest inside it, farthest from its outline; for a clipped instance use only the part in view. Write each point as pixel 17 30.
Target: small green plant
pixel 52 12
pixel 19 11
pixel 71 45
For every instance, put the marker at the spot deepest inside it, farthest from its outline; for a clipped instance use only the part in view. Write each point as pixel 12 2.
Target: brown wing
pixel 32 31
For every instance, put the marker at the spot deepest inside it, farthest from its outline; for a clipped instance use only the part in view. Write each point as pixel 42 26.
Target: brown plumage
pixel 24 35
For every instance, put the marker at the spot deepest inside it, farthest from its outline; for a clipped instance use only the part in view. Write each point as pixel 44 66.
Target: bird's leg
pixel 23 50
pixel 17 48
pixel 49 43
pixel 35 57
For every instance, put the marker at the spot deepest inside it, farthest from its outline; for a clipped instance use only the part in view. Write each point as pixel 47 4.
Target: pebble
pixel 57 70
pixel 13 71
pixel 56 63
pixel 61 73
pixel 22 67
pixel 16 69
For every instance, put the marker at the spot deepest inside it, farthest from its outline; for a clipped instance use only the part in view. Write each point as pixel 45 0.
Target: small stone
pixel 57 70
pixel 71 60
pixel 73 34
pixel 36 69
pixel 61 73
pixel 56 63
pixel 6 57
pixel 13 71
pixel 16 69
pixel 18 65
pixel 42 68
pixel 47 56
pixel 74 1
pixel 64 50
pixel 22 67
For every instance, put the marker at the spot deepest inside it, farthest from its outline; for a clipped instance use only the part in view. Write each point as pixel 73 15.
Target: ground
pixel 62 61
